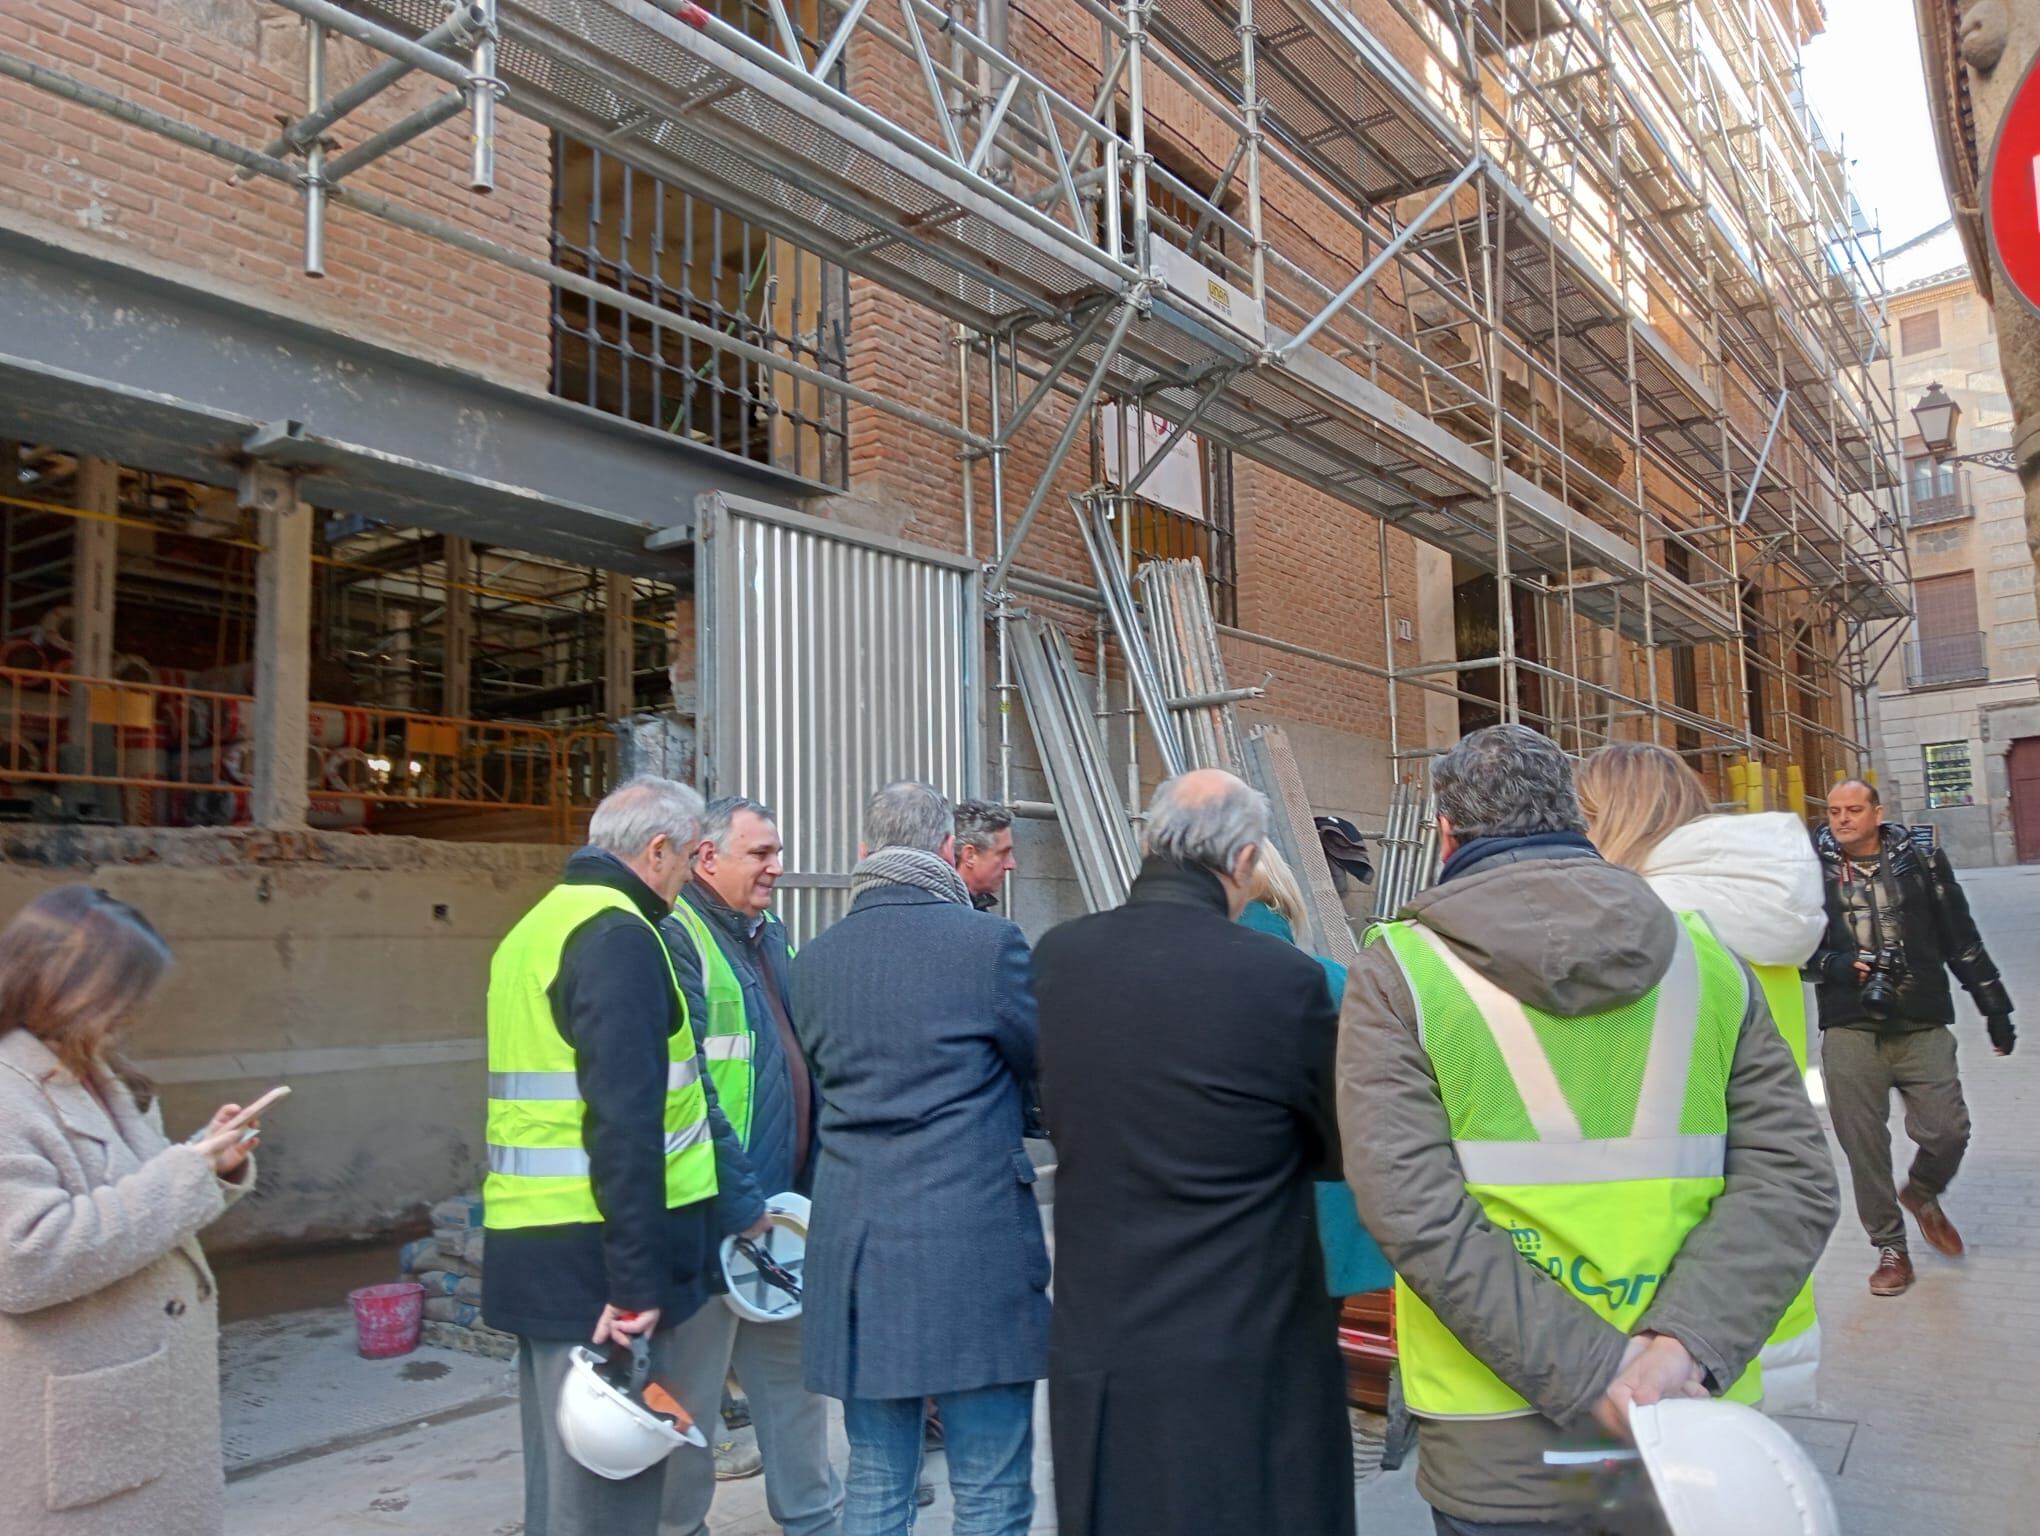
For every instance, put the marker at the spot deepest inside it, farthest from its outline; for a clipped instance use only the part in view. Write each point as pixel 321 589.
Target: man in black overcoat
pixel 1195 1385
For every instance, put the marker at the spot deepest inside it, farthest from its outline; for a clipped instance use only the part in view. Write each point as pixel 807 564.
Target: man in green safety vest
pixel 600 1199
pixel 734 962
pixel 1573 1128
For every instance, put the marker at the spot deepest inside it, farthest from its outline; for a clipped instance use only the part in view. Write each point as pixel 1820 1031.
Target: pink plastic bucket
pixel 387 1318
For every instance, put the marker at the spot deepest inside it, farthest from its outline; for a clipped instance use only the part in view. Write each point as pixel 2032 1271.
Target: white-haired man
pixel 1186 1068
pixel 600 1196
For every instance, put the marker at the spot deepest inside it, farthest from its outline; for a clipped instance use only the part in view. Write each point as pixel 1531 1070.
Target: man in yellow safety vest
pixel 600 1195
pixel 1578 1137
pixel 734 964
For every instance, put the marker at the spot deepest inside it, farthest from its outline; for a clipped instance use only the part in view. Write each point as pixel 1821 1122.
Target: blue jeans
pixel 989 1437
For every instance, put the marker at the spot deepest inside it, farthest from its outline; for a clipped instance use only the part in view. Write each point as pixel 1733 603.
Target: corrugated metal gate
pixel 831 662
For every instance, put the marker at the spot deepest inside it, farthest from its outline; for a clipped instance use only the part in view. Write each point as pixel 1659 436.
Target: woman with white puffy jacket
pixel 1757 880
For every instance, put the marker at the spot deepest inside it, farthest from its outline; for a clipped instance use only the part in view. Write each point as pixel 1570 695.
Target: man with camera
pixel 1897 924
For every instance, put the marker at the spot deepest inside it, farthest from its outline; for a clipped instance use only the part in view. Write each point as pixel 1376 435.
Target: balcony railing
pixel 1940 661
pixel 1948 507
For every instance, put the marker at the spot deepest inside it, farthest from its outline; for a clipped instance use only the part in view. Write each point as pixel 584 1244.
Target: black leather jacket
pixel 1935 931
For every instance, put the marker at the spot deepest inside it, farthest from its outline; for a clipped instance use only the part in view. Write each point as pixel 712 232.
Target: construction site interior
pixel 1034 396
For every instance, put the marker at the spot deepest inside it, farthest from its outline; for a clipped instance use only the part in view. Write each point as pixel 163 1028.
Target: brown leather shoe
pixel 1894 1273
pixel 1935 1226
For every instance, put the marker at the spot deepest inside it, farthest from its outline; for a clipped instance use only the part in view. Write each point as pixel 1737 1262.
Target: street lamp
pixel 1936 415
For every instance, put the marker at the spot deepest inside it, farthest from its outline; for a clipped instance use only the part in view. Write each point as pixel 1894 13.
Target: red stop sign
pixel 2011 189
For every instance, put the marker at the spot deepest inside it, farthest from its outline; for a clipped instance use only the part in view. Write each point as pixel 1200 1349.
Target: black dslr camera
pixel 1880 986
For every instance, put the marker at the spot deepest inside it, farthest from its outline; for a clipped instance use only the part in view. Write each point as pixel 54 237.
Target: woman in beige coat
pixel 109 1330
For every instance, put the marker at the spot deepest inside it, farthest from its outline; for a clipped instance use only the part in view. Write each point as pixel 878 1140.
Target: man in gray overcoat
pixel 927 1272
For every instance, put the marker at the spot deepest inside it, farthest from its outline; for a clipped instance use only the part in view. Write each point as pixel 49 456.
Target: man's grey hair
pixel 1506 781
pixel 979 823
pixel 908 814
pixel 722 814
pixel 1204 818
pixel 640 809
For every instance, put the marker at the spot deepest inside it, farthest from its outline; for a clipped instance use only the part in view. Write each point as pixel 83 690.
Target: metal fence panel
pixel 831 662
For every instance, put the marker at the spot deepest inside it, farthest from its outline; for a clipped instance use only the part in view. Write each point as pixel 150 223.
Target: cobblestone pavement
pixel 1929 1420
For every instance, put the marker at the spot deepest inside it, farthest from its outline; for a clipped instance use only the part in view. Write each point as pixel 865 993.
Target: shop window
pixel 1949 777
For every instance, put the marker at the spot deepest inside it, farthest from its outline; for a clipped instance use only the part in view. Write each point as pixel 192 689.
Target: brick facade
pixel 1308 566
pixel 232 67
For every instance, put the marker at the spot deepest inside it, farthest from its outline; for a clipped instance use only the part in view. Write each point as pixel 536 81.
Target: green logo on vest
pixel 1581 1277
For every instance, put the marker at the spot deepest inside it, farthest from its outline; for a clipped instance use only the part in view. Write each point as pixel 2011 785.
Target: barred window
pixel 657 242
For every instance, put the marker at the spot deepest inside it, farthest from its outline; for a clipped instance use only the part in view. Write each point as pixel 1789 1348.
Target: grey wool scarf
pixel 908 866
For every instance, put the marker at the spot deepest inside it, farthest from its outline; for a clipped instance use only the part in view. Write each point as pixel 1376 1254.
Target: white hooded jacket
pixel 1755 878
pixel 1759 882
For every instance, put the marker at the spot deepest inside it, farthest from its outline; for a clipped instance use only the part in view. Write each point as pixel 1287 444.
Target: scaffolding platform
pixel 710 109
pixel 1330 92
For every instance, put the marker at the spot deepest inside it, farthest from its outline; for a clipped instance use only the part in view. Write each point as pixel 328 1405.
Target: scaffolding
pixel 1573 290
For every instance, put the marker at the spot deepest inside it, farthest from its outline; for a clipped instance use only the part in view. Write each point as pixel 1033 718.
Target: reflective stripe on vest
pixel 538 1164
pixel 572 1162
pixel 727 1040
pixel 1790 997
pixel 1597 1143
pixel 562 1086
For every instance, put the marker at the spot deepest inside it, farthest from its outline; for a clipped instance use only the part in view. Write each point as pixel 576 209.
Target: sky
pixel 1864 82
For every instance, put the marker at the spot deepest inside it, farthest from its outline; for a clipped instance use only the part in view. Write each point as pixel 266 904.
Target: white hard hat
pixel 769 1291
pixel 606 1428
pixel 1720 1469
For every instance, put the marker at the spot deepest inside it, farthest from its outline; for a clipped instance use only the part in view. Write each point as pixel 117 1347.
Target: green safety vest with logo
pixel 1793 1349
pixel 727 1042
pixel 538 1164
pixel 1597 1143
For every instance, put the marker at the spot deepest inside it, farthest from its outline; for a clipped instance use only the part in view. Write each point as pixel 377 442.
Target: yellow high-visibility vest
pixel 538 1164
pixel 1597 1143
pixel 1791 1356
pixel 727 1041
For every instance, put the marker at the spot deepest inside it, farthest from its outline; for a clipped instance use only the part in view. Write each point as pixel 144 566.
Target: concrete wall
pixel 354 969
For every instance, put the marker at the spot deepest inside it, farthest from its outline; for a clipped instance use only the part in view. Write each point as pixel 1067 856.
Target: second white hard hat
pixel 1720 1469
pixel 764 1278
pixel 606 1429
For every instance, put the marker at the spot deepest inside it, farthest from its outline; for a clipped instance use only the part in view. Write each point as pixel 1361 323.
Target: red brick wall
pixel 232 67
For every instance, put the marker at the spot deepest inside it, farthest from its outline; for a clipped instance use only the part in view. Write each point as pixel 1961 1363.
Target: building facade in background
pixel 1958 701
pixel 816 378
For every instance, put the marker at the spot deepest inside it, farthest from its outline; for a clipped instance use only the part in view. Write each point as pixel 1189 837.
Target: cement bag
pixel 460 1214
pixel 419 1254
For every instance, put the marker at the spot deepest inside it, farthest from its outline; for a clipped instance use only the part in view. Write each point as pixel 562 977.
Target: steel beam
pixel 103 359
